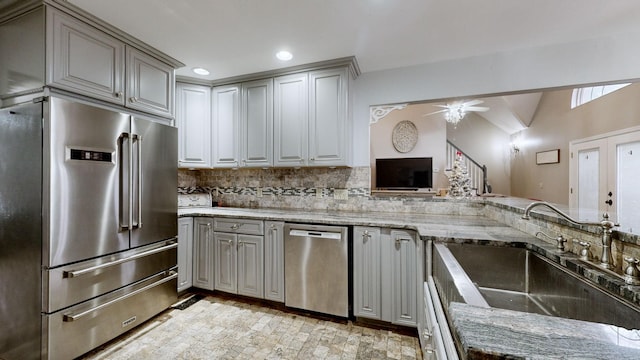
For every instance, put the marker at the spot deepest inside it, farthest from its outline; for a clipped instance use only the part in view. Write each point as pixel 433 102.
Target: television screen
pixel 404 173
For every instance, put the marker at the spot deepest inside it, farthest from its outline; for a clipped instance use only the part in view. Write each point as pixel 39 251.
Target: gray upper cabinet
pixel 226 125
pixel 185 253
pixel 150 84
pixel 83 59
pixel 328 127
pixel 311 121
pixel 367 272
pixel 193 119
pixel 257 124
pixel 291 120
pixel 274 261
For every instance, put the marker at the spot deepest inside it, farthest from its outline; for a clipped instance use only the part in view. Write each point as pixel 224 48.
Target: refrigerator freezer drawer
pixel 72 332
pixel 72 284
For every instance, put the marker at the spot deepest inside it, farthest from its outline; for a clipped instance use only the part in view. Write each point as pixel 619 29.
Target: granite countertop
pixel 486 333
pixel 490 333
pixel 429 227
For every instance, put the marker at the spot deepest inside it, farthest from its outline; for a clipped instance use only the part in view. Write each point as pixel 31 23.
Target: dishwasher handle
pixel 316 234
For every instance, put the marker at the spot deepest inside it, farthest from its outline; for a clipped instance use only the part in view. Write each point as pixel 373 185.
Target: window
pixel 583 95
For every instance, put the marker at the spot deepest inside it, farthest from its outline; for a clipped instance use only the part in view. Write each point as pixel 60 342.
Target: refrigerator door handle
pixel 138 223
pixel 124 160
pixel 170 244
pixel 171 274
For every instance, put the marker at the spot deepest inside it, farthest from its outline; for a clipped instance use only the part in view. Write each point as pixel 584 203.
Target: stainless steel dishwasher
pixel 316 260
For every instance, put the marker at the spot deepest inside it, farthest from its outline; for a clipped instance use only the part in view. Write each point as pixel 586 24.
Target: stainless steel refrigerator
pixel 88 226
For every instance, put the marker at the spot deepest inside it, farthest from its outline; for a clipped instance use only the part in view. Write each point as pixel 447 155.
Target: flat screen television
pixel 404 173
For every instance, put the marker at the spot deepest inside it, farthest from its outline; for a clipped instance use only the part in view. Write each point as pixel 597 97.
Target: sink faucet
pixel 606 260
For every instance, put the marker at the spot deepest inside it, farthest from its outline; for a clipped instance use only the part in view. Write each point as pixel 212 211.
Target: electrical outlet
pixel 259 192
pixel 318 192
pixel 340 194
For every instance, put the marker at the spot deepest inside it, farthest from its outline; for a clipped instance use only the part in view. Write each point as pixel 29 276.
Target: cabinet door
pixel 257 124
pixel 226 260
pixel 226 124
pixel 366 272
pixel 203 253
pixel 404 300
pixel 83 59
pixel 185 253
pixel 274 261
pixel 291 117
pixel 250 266
pixel 150 84
pixel 328 117
pixel 193 119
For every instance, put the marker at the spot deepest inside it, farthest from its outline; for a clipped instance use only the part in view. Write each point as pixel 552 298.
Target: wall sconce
pixel 515 148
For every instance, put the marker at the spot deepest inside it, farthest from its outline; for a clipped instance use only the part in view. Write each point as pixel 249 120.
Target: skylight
pixel 583 95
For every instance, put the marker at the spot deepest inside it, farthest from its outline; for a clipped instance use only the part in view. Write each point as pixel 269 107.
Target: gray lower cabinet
pixel 185 253
pixel 226 259
pixel 405 298
pixel 387 272
pixel 274 261
pixel 367 272
pixel 203 253
pixel 239 256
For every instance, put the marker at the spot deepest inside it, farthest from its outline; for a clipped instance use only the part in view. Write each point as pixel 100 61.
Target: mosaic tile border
pixel 271 191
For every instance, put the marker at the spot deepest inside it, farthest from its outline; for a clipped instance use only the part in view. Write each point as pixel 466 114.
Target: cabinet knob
pixel 235 227
pixel 273 226
pixel 133 99
pixel 118 94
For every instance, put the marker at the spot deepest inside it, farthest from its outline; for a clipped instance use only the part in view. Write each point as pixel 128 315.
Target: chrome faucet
pixel 606 260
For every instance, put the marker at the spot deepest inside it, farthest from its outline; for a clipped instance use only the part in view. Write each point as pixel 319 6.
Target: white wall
pixel 432 134
pixel 591 61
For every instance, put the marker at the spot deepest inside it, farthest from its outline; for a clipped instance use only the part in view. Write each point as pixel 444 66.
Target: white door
pixel 603 178
pixel 624 171
pixel 588 183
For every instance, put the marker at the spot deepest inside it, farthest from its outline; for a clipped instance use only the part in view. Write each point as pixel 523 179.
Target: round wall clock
pixel 404 136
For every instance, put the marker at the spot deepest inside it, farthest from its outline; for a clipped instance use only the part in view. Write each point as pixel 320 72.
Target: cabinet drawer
pixel 239 226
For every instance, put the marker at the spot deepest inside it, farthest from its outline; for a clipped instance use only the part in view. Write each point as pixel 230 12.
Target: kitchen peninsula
pixel 470 221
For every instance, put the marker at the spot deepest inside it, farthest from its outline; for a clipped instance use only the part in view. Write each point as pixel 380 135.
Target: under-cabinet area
pixel 382 270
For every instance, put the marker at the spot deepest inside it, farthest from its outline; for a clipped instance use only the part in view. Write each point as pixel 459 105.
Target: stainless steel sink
pixel 521 280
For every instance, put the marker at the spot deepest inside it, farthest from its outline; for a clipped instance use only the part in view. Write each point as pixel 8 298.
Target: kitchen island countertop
pixel 484 332
pixel 433 227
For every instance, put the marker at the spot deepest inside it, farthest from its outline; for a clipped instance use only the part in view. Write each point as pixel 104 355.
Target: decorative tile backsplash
pixel 307 188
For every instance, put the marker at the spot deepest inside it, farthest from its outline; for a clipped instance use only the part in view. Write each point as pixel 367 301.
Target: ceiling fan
pixel 454 112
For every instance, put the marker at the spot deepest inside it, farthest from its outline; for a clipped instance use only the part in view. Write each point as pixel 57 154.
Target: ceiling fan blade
pixel 435 112
pixel 472 102
pixel 442 106
pixel 477 108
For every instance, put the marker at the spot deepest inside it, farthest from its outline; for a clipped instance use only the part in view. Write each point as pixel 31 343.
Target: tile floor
pixel 223 328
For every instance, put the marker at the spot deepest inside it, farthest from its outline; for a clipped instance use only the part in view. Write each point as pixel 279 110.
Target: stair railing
pixel 477 173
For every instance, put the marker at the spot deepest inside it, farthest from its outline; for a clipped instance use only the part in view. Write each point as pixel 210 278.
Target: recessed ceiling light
pixel 284 55
pixel 200 71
